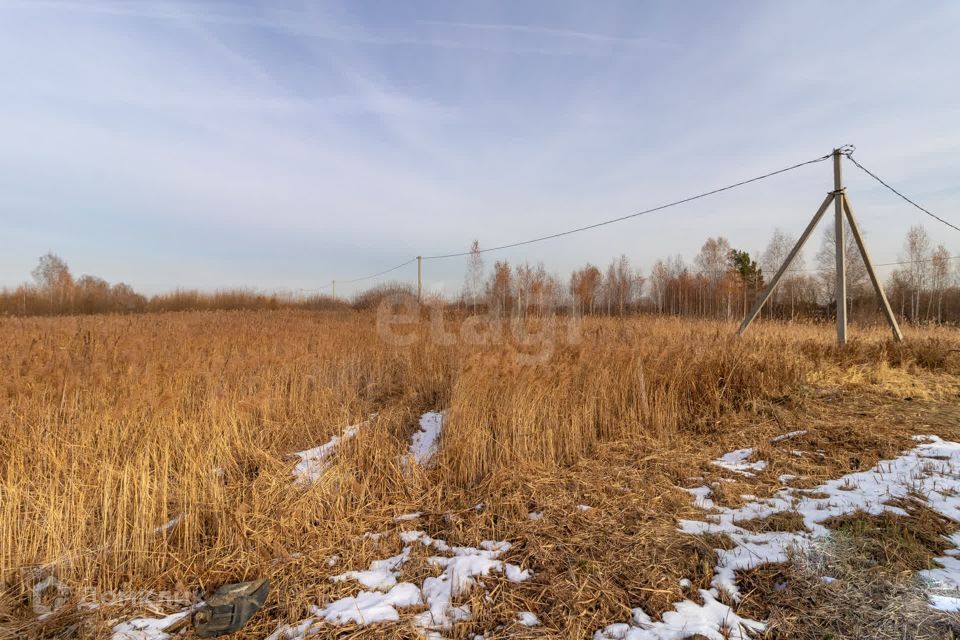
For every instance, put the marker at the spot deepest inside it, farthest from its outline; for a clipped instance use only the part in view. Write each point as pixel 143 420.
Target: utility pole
pixel 841 206
pixel 419 278
pixel 840 245
pixel 333 286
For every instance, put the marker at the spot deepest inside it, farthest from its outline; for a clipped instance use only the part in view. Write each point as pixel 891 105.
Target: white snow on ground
pixel 170 524
pixel 423 445
pixel 459 568
pixel 528 619
pixel 149 628
pixel 787 436
pixel 403 517
pixel 381 574
pixel 945 603
pixel 712 619
pixel 370 607
pixel 929 472
pixel 945 580
pixel 949 574
pixel 736 461
pixel 701 497
pixel 314 462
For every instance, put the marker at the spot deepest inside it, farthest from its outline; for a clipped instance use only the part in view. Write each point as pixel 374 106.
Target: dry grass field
pixel 154 454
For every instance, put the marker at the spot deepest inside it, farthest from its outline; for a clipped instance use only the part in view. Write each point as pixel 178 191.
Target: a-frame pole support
pixel 884 303
pixel 785 266
pixel 841 206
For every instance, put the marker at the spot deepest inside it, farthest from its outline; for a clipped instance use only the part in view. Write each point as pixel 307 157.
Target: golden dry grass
pixel 113 426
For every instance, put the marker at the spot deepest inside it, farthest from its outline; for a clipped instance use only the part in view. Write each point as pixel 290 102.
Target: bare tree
pixel 713 265
pixel 621 285
pixel 639 281
pixel 92 294
pixel 940 273
pixel 585 287
pixel 527 286
pixel 473 286
pixel 54 280
pixel 124 298
pixel 659 284
pixel 916 246
pixel 772 259
pixel 826 261
pixel 541 289
pixel 500 289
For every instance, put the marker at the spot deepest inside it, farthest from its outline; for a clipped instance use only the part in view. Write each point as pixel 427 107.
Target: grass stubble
pixel 113 426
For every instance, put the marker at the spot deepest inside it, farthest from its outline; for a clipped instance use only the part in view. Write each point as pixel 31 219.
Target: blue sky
pixel 282 145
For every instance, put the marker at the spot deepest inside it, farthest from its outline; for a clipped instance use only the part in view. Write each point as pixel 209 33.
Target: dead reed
pixel 152 452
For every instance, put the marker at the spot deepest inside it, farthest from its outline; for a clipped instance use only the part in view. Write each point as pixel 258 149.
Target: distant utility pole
pixel 419 278
pixel 841 206
pixel 333 287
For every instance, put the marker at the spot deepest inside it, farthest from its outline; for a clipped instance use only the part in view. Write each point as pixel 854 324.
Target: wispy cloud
pixel 553 32
pixel 323 139
pixel 291 22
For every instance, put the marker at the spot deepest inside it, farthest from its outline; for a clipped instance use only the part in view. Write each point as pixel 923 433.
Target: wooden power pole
pixel 333 286
pixel 419 278
pixel 841 208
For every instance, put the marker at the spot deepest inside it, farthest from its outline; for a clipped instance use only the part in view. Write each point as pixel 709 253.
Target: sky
pixel 280 146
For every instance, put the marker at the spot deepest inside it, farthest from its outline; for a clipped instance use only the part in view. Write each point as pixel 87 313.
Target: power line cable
pixel 377 275
pixel 848 152
pixel 632 215
pixel 881 264
pixel 890 264
pixel 880 180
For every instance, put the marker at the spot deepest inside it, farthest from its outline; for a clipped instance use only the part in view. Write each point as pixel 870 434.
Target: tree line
pixel 721 282
pixel 55 291
pixel 724 282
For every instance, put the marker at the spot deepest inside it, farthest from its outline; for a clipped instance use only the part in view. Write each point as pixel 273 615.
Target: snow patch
pixel 407 516
pixel 460 567
pixel 370 607
pixel 712 619
pixel 930 472
pixel 382 574
pixel 736 461
pixel 528 619
pixel 314 462
pixel 945 603
pixel 701 497
pixel 170 524
pixel 423 445
pixel 150 628
pixel 787 436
